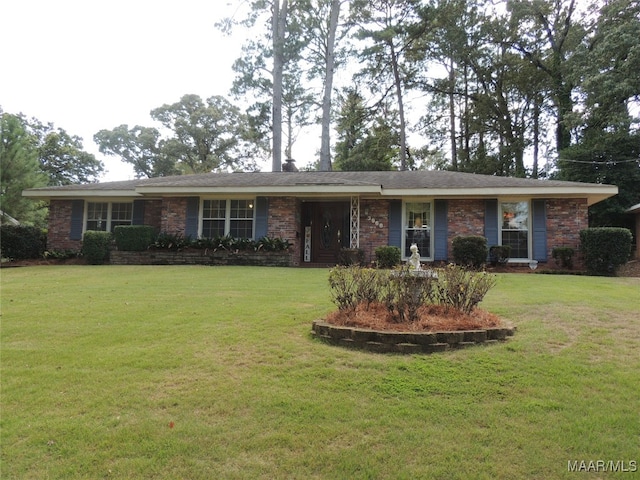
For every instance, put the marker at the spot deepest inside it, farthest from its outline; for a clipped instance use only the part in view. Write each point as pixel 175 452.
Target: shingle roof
pixel 387 180
pixel 422 182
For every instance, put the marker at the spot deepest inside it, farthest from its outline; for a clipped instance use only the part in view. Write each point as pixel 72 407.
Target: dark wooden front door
pixel 329 230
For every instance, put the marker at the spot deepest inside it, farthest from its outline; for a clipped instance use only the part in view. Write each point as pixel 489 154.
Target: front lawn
pixel 210 372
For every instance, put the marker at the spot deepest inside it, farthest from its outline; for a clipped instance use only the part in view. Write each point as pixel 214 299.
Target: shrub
pixel 499 254
pixel 405 292
pixel 134 238
pixel 351 256
pixel 178 242
pixel 605 248
pixel 470 251
pixel 462 289
pixel 353 285
pixel 342 283
pixel 19 242
pixel 388 256
pixel 61 254
pixel 171 241
pixel 95 246
pixel 268 244
pixel 563 256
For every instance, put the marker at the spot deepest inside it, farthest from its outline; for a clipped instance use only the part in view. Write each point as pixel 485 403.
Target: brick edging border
pixel 381 341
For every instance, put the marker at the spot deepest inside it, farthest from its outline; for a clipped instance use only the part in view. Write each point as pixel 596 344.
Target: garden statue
pixel 414 260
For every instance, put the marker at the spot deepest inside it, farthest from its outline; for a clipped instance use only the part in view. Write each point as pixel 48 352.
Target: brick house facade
pixel 321 213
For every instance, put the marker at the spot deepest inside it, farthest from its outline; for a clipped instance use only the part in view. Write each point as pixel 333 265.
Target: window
pixel 213 218
pixel 417 228
pixel 105 216
pixel 227 217
pixel 515 228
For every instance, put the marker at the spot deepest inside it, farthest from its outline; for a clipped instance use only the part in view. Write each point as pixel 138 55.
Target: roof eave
pixel 593 194
pixel 45 194
pixel 261 190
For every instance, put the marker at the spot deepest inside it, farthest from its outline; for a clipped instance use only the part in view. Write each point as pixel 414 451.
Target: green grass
pixel 98 361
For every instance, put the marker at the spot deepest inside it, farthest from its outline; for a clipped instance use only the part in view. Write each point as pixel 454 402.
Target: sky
pixel 88 65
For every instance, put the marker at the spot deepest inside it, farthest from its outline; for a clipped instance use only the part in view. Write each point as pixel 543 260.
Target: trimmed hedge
pixel 605 248
pixel 20 242
pixel 563 256
pixel 388 257
pixel 470 251
pixel 499 254
pixel 95 246
pixel 134 238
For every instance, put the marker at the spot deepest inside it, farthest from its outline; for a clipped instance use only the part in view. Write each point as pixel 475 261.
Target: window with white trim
pixel 105 216
pixel 514 228
pixel 417 228
pixel 231 217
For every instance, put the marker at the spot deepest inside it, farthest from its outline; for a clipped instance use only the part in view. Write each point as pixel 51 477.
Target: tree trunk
pixel 536 134
pixel 452 118
pixel 403 135
pixel 325 139
pixel 278 24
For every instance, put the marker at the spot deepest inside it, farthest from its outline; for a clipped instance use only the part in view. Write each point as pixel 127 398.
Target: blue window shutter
pixel 395 223
pixel 137 217
pixel 262 216
pixel 491 222
pixel 191 224
pixel 539 219
pixel 440 230
pixel 77 217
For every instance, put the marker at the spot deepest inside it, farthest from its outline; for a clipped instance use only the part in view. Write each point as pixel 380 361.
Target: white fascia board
pixel 263 190
pixel 593 194
pixel 79 193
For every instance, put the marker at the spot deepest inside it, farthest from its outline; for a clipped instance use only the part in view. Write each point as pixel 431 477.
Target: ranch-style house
pixel 320 213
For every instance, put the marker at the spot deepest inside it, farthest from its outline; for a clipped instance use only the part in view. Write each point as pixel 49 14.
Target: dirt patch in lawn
pixel 431 318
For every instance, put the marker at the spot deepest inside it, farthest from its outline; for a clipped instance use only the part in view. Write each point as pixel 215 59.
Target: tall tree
pixel 274 49
pixel 139 146
pixel 62 156
pixel 206 135
pixel 19 169
pixel 363 145
pixel 388 29
pixel 557 22
pixel 607 147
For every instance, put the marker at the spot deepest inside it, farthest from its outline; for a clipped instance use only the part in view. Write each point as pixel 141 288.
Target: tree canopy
pixel 201 136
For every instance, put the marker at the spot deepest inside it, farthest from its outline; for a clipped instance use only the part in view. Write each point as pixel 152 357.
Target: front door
pixel 329 223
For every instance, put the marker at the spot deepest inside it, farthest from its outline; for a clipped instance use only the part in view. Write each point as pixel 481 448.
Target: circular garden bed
pixel 437 329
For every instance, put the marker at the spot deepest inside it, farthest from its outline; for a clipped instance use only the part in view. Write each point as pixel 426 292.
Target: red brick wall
pixel 60 227
pixel 153 213
pixel 374 227
pixel 285 221
pixel 565 219
pixel 464 217
pixel 173 217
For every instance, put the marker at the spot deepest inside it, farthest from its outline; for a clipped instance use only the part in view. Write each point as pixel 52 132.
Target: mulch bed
pixel 431 318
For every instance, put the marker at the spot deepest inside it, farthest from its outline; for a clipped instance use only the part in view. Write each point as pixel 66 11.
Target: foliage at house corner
pixel 20 242
pixel 604 249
